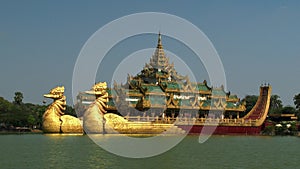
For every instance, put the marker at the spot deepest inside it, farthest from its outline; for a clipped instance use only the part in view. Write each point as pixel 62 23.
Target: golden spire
pixel 159 44
pixel 158 59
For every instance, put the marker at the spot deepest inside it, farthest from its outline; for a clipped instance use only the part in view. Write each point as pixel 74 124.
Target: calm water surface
pixel 228 152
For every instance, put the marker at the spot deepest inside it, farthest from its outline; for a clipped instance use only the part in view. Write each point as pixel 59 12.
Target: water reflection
pixel 44 151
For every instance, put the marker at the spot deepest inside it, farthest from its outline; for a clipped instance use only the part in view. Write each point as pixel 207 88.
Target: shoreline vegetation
pixel 26 118
pixel 17 116
pixel 21 131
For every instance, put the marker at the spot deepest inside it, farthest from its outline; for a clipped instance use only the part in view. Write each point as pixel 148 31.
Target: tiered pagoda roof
pixel 159 85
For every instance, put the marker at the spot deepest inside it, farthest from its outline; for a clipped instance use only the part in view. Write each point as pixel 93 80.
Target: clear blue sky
pixel 257 41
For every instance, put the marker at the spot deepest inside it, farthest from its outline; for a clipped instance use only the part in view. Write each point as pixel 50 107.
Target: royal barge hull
pixel 222 130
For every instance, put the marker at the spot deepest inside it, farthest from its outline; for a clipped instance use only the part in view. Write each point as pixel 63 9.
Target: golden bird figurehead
pixel 56 93
pixel 98 89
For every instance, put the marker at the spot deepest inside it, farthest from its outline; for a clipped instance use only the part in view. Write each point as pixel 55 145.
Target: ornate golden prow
pixel 93 120
pixel 56 93
pixel 54 120
pixel 259 112
pixel 51 117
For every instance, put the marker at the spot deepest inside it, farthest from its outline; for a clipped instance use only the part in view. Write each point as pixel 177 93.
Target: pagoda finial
pixel 159 44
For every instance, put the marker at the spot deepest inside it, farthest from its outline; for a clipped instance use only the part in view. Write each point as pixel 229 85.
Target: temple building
pixel 159 90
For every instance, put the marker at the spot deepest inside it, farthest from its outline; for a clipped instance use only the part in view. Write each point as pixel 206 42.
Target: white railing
pixel 195 121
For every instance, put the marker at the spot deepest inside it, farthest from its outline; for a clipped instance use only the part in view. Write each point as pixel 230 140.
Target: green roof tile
pixel 111 92
pixel 206 103
pixel 151 88
pixel 218 93
pixel 157 100
pixel 202 87
pixel 233 97
pixel 185 102
pixel 230 105
pixel 174 86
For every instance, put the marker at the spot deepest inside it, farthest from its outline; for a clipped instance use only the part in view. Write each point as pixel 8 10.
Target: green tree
pixel 15 116
pixel 297 101
pixel 275 105
pixel 5 110
pixel 297 104
pixel 5 106
pixel 18 98
pixel 39 112
pixel 31 120
pixel 288 110
pixel 250 102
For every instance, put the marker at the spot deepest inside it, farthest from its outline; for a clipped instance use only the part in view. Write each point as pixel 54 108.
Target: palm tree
pixel 276 103
pixel 297 101
pixel 18 98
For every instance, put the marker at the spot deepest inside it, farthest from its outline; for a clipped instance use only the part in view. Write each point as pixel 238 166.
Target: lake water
pixel 228 152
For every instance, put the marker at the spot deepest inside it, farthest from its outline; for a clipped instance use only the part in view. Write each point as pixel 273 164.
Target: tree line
pixel 17 113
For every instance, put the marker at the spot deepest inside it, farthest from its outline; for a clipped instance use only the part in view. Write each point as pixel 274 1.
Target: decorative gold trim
pixel 261 119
